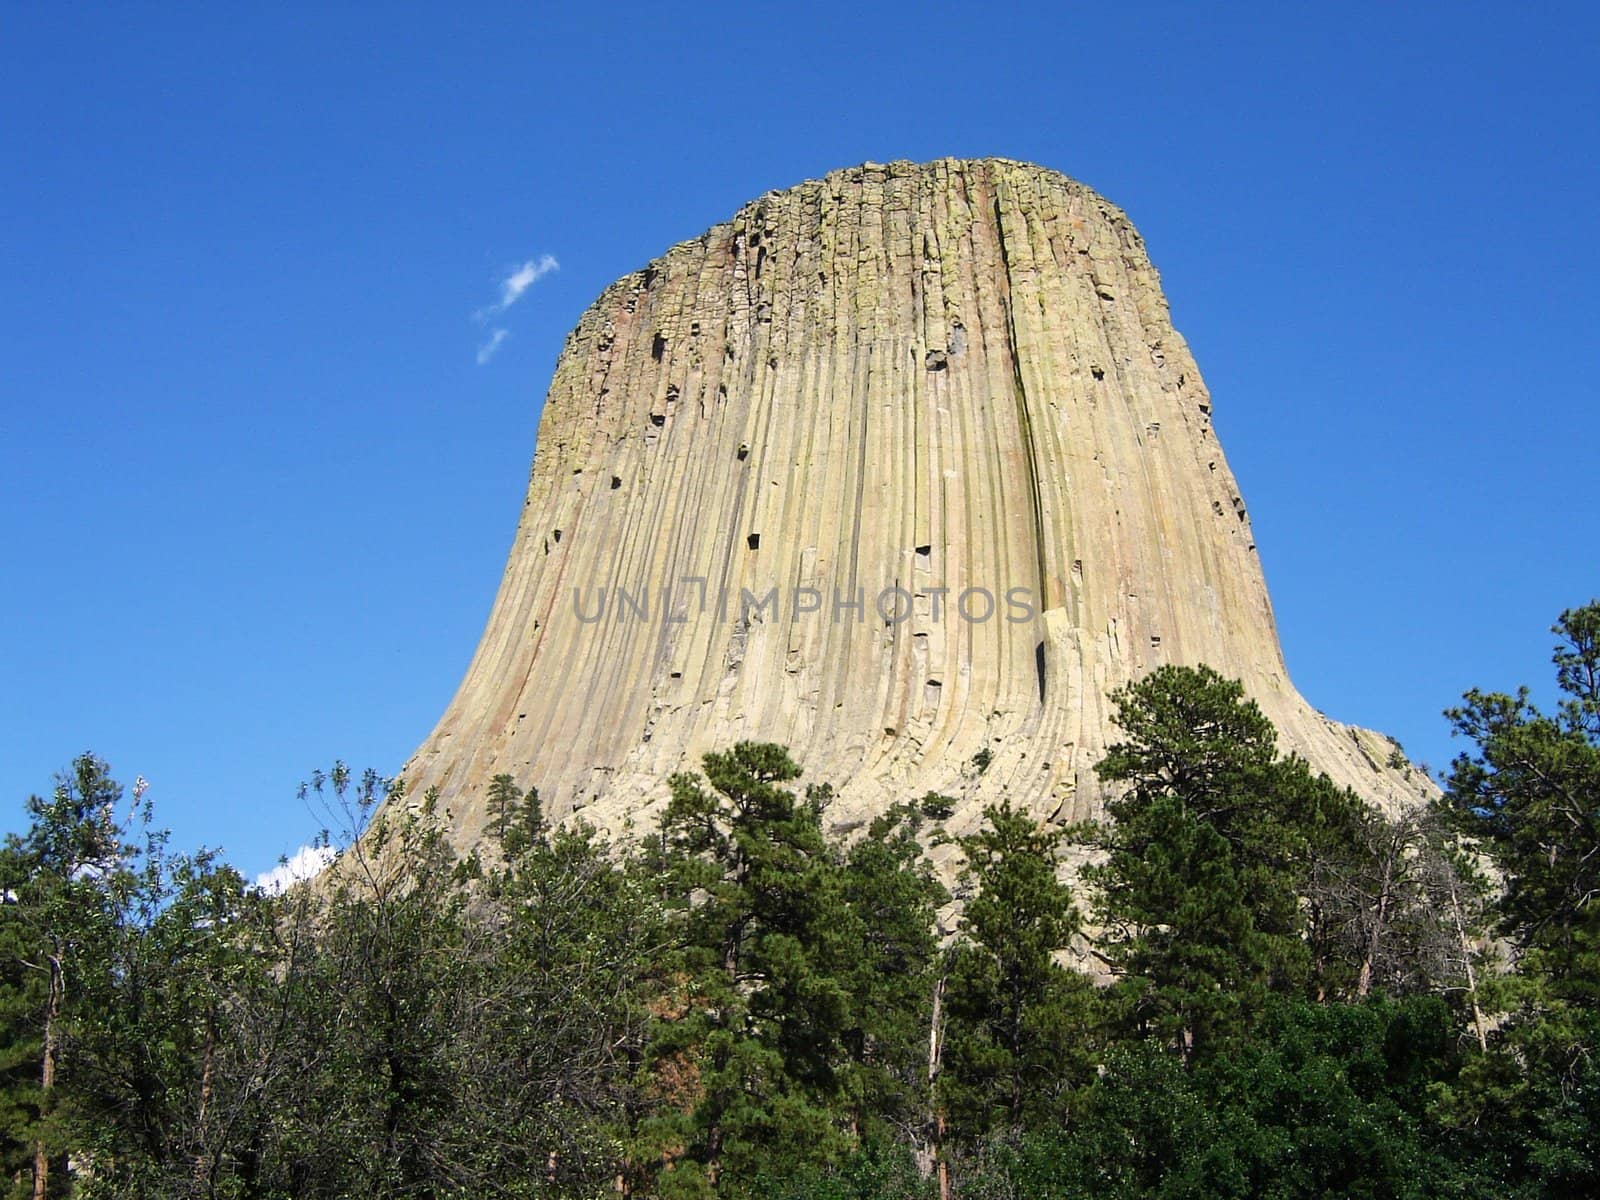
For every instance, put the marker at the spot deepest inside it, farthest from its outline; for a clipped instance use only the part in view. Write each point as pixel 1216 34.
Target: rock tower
pixel 904 468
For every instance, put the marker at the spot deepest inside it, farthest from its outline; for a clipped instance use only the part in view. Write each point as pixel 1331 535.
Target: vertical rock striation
pixel 906 387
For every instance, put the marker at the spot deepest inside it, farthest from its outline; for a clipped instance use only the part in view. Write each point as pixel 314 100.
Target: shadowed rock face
pixel 958 375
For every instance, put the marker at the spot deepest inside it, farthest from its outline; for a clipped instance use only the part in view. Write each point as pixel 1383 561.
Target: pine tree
pixel 1207 852
pixel 1016 1033
pixel 890 973
pixel 562 941
pixel 374 984
pixel 1529 793
pixel 748 1049
pixel 58 918
pixel 23 1003
pixel 792 1026
pixel 155 1081
pixel 516 818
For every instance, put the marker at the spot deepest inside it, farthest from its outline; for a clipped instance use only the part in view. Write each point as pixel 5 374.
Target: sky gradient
pixel 260 472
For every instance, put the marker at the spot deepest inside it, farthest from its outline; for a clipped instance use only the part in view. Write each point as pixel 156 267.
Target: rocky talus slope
pixel 903 386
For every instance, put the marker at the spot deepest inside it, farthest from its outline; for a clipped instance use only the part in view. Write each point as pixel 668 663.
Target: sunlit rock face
pixel 904 468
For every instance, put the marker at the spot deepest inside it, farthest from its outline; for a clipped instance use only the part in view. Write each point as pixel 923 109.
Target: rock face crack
pixel 917 389
pixel 1025 424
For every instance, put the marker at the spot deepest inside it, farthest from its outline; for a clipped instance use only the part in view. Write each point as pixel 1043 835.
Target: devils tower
pixel 780 469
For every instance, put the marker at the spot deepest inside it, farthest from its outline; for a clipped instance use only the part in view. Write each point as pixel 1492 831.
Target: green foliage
pixel 889 971
pixel 122 959
pixel 1302 1001
pixel 148 1055
pixel 936 807
pixel 790 1028
pixel 1322 1101
pixel 59 882
pixel 1207 856
pixel 548 1052
pixel 1016 1028
pixel 757 1032
pixel 879 1171
pixel 1529 792
pixel 376 1001
pixel 22 1003
pixel 456 1028
pixel 516 818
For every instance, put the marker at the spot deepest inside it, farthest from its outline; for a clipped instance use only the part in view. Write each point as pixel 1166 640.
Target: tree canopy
pixel 1240 981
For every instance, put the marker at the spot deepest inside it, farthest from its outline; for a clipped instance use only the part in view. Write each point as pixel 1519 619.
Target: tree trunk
pixel 1478 1024
pixel 932 1157
pixel 202 1157
pixel 714 1153
pixel 1364 981
pixel 47 1077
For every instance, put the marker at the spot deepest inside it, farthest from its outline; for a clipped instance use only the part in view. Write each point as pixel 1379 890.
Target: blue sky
pixel 256 489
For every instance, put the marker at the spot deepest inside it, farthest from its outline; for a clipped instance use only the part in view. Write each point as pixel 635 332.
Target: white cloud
pixel 302 864
pixel 518 281
pixel 486 351
pixel 524 277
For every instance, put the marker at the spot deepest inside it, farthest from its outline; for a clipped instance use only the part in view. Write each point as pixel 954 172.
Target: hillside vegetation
pixel 1259 986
